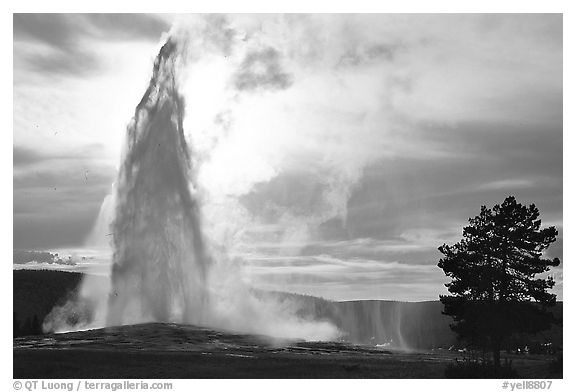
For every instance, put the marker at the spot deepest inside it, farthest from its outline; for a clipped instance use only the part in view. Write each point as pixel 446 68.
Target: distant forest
pixel 411 325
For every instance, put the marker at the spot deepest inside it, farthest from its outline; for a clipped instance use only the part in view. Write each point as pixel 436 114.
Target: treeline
pixel 35 293
pixel 30 326
pixel 416 325
pixel 27 256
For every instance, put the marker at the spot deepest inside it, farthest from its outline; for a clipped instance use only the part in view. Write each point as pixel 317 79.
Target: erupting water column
pixel 159 263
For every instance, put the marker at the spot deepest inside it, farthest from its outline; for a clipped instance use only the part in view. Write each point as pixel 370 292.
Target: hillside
pixel 406 325
pixel 36 293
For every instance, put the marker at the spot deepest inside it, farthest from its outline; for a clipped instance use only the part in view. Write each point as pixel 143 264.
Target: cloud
pixel 262 70
pixel 66 31
pixel 366 55
pixel 509 184
pixel 23 156
pixel 299 192
pixel 346 279
pixel 51 43
pixel 392 124
pixel 59 44
pixel 126 26
pixel 62 63
pixel 57 195
pixel 57 30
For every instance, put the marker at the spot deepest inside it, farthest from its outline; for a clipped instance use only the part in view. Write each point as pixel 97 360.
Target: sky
pixel 333 153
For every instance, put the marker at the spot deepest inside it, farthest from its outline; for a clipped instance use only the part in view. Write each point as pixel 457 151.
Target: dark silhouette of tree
pixel 495 276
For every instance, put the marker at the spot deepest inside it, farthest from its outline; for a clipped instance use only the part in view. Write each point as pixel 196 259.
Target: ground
pixel 177 351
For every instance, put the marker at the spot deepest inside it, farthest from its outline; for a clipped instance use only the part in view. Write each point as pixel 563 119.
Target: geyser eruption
pixel 100 236
pixel 165 267
pixel 162 269
pixel 159 262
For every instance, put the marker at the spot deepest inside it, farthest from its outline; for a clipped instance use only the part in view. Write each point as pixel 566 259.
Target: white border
pixel 308 6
